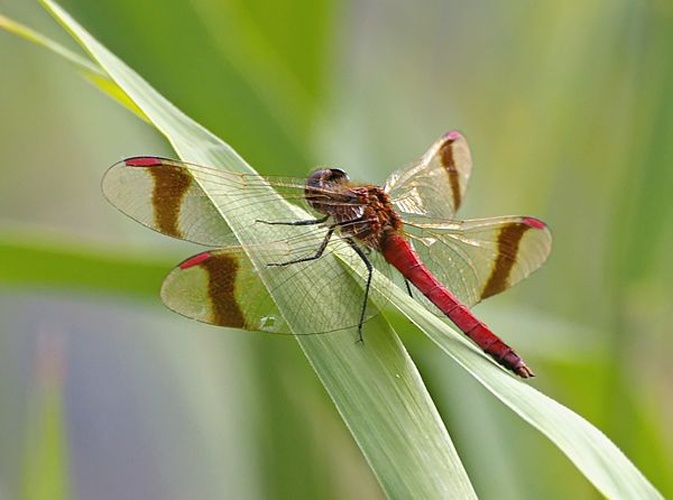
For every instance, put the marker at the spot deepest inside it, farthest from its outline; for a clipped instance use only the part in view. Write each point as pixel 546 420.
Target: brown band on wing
pixel 222 269
pixel 449 164
pixel 508 248
pixel 170 186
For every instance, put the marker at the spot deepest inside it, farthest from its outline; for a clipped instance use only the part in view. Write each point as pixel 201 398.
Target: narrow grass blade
pixel 45 471
pixel 588 448
pixel 74 267
pixel 89 70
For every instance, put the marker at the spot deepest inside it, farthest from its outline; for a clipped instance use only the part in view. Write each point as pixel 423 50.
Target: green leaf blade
pixel 588 448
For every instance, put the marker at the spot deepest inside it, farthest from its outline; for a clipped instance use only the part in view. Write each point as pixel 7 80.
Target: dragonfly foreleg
pixel 370 272
pixel 317 255
pixel 308 222
pixel 406 282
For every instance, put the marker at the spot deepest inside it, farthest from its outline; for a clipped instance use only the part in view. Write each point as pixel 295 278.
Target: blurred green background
pixel 568 110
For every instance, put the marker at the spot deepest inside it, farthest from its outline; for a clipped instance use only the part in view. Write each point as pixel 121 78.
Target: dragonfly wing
pixel 433 186
pixel 163 195
pixel 222 287
pixel 167 195
pixel 479 258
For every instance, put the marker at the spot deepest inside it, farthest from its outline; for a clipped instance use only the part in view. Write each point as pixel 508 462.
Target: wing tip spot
pixel 142 161
pixel 453 135
pixel 534 223
pixel 196 260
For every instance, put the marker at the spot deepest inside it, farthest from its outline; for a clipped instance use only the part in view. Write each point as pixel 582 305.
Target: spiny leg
pixel 370 272
pixel 321 250
pixel 317 255
pixel 323 245
pixel 406 282
pixel 309 222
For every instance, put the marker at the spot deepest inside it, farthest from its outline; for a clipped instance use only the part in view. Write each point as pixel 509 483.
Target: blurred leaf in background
pixel 567 108
pixel 45 466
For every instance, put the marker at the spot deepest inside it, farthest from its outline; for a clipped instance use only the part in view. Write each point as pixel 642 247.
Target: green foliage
pixel 46 458
pixel 267 92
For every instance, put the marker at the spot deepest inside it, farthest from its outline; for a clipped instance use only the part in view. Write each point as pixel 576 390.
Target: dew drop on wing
pixel 269 324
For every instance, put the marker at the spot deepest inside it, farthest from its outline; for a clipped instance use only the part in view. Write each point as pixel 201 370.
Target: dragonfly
pixel 408 224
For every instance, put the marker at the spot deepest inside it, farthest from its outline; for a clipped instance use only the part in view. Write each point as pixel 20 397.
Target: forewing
pixel 165 195
pixel 479 258
pixel 433 187
pixel 221 287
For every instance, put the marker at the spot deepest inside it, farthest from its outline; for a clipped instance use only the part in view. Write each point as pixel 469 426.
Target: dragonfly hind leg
pixel 319 252
pixel 370 271
pixel 317 255
pixel 308 222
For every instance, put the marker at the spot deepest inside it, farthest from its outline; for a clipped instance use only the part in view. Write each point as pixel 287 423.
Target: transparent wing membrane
pixel 222 287
pixel 433 186
pixel 481 257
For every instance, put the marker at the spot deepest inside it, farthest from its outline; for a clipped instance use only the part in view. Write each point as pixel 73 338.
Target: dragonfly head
pixel 321 184
pixel 322 178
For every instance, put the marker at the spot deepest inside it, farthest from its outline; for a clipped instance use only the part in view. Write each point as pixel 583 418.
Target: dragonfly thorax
pixel 362 211
pixel 377 217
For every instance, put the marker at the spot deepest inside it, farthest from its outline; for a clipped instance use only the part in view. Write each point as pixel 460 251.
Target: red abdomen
pixel 398 252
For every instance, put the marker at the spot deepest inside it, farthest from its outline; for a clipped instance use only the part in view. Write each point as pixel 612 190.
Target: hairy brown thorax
pixel 362 212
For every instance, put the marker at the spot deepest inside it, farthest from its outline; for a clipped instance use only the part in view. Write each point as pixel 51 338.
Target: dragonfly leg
pixel 295 222
pixel 370 272
pixel 406 282
pixel 317 255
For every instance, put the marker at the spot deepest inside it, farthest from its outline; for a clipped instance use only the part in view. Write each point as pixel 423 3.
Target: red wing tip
pixel 534 223
pixel 143 161
pixel 195 260
pixel 454 135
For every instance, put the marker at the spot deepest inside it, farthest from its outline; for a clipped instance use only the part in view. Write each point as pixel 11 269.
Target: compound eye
pixel 337 175
pixel 322 176
pixel 317 178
